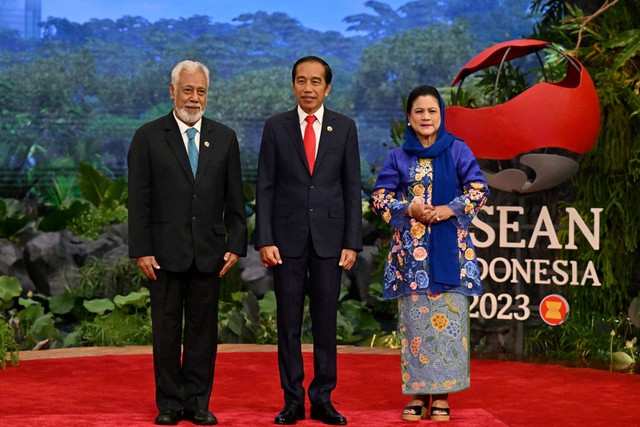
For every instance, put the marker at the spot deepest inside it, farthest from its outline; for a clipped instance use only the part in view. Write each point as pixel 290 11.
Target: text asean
pixel 543 234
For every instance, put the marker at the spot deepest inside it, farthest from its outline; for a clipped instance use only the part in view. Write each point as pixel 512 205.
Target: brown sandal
pixel 414 413
pixel 439 413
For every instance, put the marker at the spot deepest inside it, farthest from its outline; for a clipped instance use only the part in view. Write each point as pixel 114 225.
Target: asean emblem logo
pixel 554 309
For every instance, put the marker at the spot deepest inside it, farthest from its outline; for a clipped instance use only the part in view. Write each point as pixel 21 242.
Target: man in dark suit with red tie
pixel 187 227
pixel 308 229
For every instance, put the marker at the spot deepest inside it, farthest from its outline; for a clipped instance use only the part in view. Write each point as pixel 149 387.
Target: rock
pixel 254 275
pixel 102 245
pixel 49 257
pixel 67 277
pixel 116 254
pixel 12 264
pixel 118 232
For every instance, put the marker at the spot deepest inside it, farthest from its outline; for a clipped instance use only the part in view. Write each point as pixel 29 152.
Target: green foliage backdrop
pixel 609 47
pixel 90 85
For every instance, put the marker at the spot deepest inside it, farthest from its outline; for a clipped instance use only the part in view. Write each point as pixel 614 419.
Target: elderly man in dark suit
pixel 308 228
pixel 187 228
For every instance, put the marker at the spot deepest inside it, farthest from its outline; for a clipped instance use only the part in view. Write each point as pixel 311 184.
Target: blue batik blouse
pixel 406 179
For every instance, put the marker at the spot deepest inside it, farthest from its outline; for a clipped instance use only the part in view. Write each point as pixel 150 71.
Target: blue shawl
pixel 444 265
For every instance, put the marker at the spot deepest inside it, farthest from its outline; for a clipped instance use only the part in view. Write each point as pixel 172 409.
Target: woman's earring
pixel 409 124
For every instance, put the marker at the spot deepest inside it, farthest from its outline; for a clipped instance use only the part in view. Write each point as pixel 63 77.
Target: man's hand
pixel 229 260
pixel 148 265
pixel 270 256
pixel 347 259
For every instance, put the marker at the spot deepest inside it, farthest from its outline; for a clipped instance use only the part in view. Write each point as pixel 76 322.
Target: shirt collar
pixel 319 114
pixel 183 126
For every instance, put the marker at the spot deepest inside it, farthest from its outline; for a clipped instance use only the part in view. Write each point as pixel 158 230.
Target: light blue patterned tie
pixel 192 150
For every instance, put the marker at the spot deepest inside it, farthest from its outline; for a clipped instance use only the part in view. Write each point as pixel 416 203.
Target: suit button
pixel 193 218
pixel 310 209
pixel 195 196
pixel 311 186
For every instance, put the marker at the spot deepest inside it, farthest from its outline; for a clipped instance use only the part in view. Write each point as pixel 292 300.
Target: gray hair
pixel 190 67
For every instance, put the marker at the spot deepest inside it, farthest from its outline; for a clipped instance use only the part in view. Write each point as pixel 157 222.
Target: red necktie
pixel 310 142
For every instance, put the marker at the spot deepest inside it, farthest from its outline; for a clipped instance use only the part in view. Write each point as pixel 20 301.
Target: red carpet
pixel 118 391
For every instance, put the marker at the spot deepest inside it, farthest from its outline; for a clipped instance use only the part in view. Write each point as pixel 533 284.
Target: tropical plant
pixel 13 218
pixel 101 279
pixel 245 319
pixel 36 325
pixel 125 320
pixel 58 186
pixel 238 318
pixel 625 355
pixel 10 289
pixel 9 349
pixel 584 337
pixel 78 316
pixel 356 323
pixel 104 203
pixel 267 329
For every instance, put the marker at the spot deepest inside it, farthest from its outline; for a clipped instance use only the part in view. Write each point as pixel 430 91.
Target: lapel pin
pixel 206 144
pixel 330 128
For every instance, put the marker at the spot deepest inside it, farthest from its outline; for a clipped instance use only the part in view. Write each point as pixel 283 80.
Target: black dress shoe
pixel 201 417
pixel 168 417
pixel 326 413
pixel 291 413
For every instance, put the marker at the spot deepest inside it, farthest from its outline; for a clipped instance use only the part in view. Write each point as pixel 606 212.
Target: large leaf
pixel 12 217
pixel 93 184
pixel 236 323
pixel 630 40
pixel 43 328
pixel 10 288
pixel 61 217
pixel 268 303
pixel 33 310
pixel 117 193
pixel 251 307
pixel 62 304
pixel 72 339
pixel 99 306
pixel 13 225
pixel 135 299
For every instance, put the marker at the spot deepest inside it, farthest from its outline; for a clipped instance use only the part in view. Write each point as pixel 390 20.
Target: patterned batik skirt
pixel 434 331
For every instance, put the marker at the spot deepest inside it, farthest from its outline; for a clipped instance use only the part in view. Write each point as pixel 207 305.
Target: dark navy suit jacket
pixel 291 204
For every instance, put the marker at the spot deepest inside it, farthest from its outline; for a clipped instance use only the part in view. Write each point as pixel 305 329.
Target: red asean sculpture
pixel 564 114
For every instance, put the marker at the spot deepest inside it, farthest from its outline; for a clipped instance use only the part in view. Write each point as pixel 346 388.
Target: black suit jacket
pixel 290 203
pixel 179 219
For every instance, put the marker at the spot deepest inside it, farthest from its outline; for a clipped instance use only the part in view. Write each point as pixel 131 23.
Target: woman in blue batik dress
pixel 429 190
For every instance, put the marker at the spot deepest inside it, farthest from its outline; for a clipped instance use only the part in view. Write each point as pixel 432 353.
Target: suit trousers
pixel 320 279
pixel 192 296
